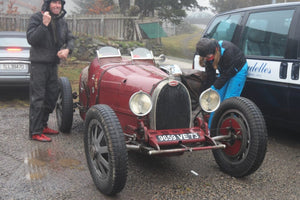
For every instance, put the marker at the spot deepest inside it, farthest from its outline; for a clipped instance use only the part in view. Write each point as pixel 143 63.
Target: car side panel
pixel 265 87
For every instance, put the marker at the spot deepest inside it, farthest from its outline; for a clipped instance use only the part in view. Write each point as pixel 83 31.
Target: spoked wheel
pixel 242 121
pixel 64 106
pixel 105 149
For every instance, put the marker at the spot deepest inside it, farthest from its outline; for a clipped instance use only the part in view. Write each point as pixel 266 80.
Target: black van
pixel 269 36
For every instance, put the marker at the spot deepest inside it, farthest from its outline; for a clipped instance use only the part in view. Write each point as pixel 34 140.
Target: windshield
pixel 223 27
pixel 108 52
pixel 141 53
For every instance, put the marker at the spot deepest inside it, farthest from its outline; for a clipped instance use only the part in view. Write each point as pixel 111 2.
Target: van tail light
pixel 13 49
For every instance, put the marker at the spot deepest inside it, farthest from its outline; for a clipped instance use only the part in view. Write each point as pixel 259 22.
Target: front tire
pixel 64 105
pixel 105 149
pixel 245 150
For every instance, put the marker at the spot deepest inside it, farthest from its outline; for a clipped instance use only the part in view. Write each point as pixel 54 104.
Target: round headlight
pixel 140 103
pixel 209 100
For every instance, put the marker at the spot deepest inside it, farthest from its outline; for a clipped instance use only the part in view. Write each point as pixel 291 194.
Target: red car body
pixel 113 80
pixel 131 104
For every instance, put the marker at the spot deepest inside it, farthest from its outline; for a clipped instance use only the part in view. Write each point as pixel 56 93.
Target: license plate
pixel 177 137
pixel 14 67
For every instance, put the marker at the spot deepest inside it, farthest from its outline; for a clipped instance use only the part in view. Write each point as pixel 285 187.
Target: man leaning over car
pixel 231 63
pixel 50 41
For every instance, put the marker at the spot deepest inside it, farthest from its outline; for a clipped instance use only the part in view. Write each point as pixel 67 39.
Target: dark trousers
pixel 43 95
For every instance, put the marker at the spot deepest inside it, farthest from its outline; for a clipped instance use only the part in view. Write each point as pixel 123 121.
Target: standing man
pixel 231 63
pixel 50 41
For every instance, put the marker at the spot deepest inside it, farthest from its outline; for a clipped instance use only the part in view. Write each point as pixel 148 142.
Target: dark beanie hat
pixel 45 6
pixel 206 46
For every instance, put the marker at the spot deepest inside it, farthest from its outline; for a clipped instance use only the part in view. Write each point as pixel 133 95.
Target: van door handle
pixel 295 71
pixel 283 70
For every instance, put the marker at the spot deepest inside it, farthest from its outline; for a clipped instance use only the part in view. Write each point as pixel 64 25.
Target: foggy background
pixel 27 7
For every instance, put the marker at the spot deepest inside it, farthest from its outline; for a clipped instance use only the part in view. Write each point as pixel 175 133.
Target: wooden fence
pixel 112 26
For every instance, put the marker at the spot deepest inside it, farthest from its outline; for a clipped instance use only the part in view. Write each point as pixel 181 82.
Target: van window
pixel 266 33
pixel 223 27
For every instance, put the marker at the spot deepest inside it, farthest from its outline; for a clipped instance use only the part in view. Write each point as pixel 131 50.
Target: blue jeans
pixel 232 88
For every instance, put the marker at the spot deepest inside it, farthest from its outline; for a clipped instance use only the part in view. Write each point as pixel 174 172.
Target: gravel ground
pixel 58 170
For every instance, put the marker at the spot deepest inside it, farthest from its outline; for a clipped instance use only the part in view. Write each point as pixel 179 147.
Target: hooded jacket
pixel 46 41
pixel 231 61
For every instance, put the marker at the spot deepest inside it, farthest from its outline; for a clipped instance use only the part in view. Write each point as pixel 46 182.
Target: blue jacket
pixel 231 61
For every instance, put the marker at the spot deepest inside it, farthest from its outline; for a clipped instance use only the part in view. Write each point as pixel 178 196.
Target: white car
pixel 14 59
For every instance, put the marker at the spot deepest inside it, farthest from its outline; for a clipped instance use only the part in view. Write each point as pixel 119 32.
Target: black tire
pixel 108 168
pixel 245 151
pixel 64 106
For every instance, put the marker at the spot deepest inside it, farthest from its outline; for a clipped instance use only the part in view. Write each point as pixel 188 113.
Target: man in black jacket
pixel 50 41
pixel 231 63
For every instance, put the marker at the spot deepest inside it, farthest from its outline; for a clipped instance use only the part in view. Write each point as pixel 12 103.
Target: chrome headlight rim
pixel 205 100
pixel 140 97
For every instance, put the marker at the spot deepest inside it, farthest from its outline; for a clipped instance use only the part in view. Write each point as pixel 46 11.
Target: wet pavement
pixel 35 170
pixel 58 170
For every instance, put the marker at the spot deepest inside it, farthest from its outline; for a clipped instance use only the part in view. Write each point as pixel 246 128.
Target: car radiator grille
pixel 173 108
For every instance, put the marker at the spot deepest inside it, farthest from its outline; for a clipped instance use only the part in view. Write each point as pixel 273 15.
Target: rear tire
pixel 64 106
pixel 105 149
pixel 245 151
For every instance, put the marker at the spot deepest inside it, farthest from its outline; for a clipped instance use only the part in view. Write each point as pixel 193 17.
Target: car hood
pixel 139 77
pixel 117 83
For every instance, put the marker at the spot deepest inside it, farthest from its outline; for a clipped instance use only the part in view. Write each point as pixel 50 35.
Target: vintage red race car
pixel 131 104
